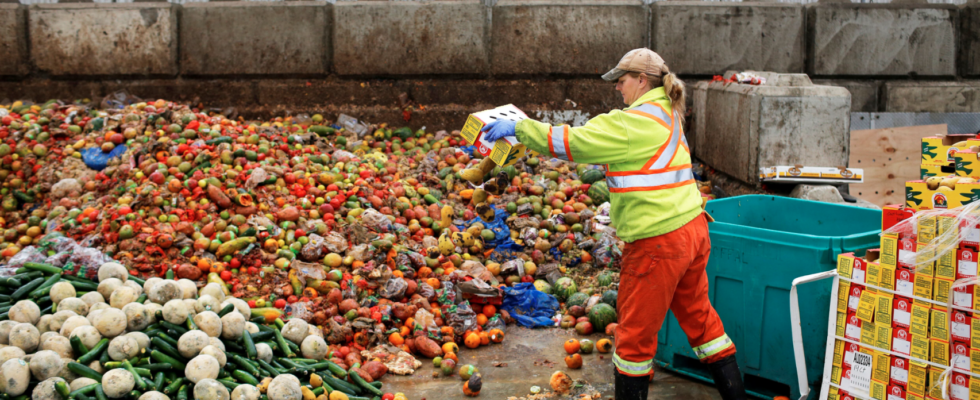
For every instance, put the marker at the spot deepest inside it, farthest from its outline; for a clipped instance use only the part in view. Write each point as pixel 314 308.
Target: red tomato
pixel 235 263
pixel 226 275
pixel 280 303
pixel 251 303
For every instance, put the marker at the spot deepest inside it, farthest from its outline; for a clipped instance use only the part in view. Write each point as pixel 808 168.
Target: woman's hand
pixel 499 129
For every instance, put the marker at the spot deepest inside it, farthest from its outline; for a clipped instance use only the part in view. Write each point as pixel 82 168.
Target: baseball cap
pixel 637 60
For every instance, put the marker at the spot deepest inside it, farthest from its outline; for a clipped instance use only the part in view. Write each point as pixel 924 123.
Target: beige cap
pixel 637 60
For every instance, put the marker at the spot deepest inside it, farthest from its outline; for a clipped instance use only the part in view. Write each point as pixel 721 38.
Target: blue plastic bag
pixel 528 306
pixel 96 159
pixel 499 227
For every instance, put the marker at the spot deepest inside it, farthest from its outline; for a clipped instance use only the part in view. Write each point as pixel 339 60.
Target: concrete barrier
pixel 561 37
pixel 963 96
pixel 709 38
pixel 786 121
pixel 13 39
pixel 881 39
pixel 104 39
pixel 864 94
pixel 970 40
pixel 243 37
pixel 409 38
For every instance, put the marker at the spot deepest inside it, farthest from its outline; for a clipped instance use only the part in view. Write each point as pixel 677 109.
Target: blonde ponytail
pixel 674 87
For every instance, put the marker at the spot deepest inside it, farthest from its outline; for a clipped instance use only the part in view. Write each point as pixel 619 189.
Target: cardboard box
pixel 855 299
pixel 899 373
pixel 889 250
pixel 959 387
pixel 904 282
pixel 843 296
pixel 920 347
pixel 919 197
pixel 883 311
pixel 920 320
pixel 939 324
pixel 895 392
pixel 966 262
pixel 960 355
pixel 883 337
pixel 965 163
pixel 908 252
pixel 960 328
pixel 869 334
pixel 805 174
pixel 901 341
pixel 939 352
pixel 934 391
pixel 975 361
pixel 879 390
pixel 503 152
pixel 918 376
pixel 941 148
pixel 853 329
pixel 926 229
pixel 866 306
pixel 936 168
pixel 902 312
pixel 975 331
pixel 940 291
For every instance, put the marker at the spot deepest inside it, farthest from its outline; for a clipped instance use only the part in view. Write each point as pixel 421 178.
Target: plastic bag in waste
pixel 96 159
pixel 528 306
pixel 306 271
pixel 361 252
pixel 256 178
pixel 88 260
pixel 66 188
pixel 335 242
pixel 461 317
pixel 515 266
pixel 425 290
pixel 495 322
pixel 301 310
pixel 56 242
pixel 477 270
pixel 26 255
pixel 352 124
pixel 315 249
pixel 394 289
pixel 375 220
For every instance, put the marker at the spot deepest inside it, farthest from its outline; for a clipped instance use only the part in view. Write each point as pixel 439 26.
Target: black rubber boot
pixel 728 379
pixel 631 387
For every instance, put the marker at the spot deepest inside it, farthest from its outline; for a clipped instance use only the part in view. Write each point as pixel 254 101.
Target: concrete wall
pixel 450 55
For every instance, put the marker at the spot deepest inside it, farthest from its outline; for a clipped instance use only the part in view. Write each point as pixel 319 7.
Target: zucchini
pixel 100 392
pixel 62 389
pixel 24 290
pixel 363 384
pixel 176 328
pixel 157 367
pixel 283 347
pixel 83 390
pixel 165 348
pixel 249 343
pixel 136 376
pixel 43 268
pixel 268 368
pixel 78 347
pixel 263 336
pixel 229 383
pixel 227 309
pixel 336 369
pixel 158 382
pixel 173 342
pixel 241 362
pixel 173 387
pixel 342 386
pixel 245 377
pixel 91 355
pixel 184 392
pixel 160 357
pixel 84 371
pixel 88 286
pixel 45 287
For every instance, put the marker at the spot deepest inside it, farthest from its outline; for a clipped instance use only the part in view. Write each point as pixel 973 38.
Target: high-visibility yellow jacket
pixel 648 163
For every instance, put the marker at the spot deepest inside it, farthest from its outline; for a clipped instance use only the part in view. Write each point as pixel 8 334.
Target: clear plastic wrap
pixel 301 310
pixel 26 255
pixel 394 289
pixel 461 317
pixel 315 249
pixel 335 242
pixel 965 220
pixel 307 271
pixel 256 178
pixel 376 221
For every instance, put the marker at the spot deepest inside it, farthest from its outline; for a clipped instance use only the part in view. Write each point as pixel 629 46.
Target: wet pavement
pixel 527 358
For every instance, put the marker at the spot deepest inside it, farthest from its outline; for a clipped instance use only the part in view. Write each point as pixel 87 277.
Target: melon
pixel 593 175
pixel 599 192
pixel 601 315
pixel 564 288
pixel 609 297
pixel 577 299
pixel 543 286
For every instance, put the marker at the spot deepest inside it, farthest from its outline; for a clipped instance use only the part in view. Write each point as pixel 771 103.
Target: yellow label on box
pixel 834 394
pixel 975 361
pixel 975 333
pixel 889 250
pixel 935 376
pixel 917 378
pixel 920 347
pixel 866 307
pixel 841 324
pixel 882 366
pixel 839 352
pixel 966 163
pixel 873 275
pixel 910 396
pixel 920 320
pixel 926 228
pixel 887 277
pixel 835 375
pixel 845 263
pixel 923 286
pixel 945 223
pixel 974 389
pixel 879 390
pixel 976 297
pixel 940 352
pixel 939 325
pixel 869 334
pixel 884 336
pixel 941 291
pixel 843 294
pixel 946 266
pixel 923 253
pixel 883 311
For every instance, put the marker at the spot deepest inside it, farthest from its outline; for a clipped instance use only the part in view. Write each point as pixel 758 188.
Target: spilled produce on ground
pixel 197 236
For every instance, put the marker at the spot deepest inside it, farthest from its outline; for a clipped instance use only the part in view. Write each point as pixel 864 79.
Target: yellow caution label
pixel 869 334
pixel 883 311
pixel 923 286
pixel 946 266
pixel 835 375
pixel 940 352
pixel 874 274
pixel 927 228
pixel 839 352
pixel 975 361
pixel 887 278
pixel 920 347
pixel 882 366
pixel 889 250
pixel 841 324
pixel 941 291
pixel 879 390
pixel 975 333
pixel 935 390
pixel 866 307
pixel 974 389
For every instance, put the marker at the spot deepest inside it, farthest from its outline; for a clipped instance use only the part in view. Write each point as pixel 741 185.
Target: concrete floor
pixel 531 356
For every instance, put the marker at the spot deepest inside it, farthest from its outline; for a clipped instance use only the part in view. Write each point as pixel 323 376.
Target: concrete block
pixel 13 39
pixel 255 38
pixel 322 92
pixel 864 94
pixel 881 39
pixel 824 193
pixel 924 96
pixel 787 121
pixel 709 38
pixel 489 94
pixel 409 38
pixel 970 40
pixel 104 39
pixel 565 37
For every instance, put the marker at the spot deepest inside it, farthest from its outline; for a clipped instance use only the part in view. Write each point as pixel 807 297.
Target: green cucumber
pixel 83 390
pixel 245 377
pixel 165 348
pixel 179 329
pixel 241 362
pixel 249 344
pixel 227 309
pixel 100 392
pixel 24 290
pixel 160 357
pixel 363 383
pixel 173 387
pixel 62 389
pixel 158 381
pixel 268 368
pixel 94 353
pixel 78 346
pixel 336 369
pixel 136 376
pixel 184 392
pixel 43 268
pixel 229 383
pixel 84 371
pixel 283 347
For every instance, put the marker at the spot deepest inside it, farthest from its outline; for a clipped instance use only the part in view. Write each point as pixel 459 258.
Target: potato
pixel 188 288
pixel 151 310
pixel 111 323
pixel 60 291
pixel 209 322
pixel 44 324
pixel 232 326
pixel 202 367
pixel 108 286
pixel 285 387
pixel 97 366
pixel 45 364
pixel 191 305
pixel 314 347
pixel 264 352
pixel 252 328
pixel 154 395
pixel 315 331
pixel 191 343
pixel 213 341
pixel 93 315
pixel 240 305
pixel 25 311
pixel 149 284
pixel 75 304
pixel 213 289
pixel 122 296
pixel 25 336
pixel 89 335
pixel 175 312
pixel 117 383
pixel 58 344
pixel 46 390
pixel 207 303
pixel 113 269
pixel 73 322
pixel 136 316
pixel 80 383
pixel 123 348
pixel 137 287
pixel 5 327
pixel 16 376
pixel 66 373
pixel 210 389
pixel 296 330
pixel 245 392
pixel 91 298
pixel 140 338
pixel 217 353
pixel 164 291
pixel 97 307
pixel 11 352
pixel 60 317
pixel 44 336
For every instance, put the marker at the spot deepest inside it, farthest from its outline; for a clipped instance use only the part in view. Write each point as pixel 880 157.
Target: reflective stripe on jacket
pixel 648 163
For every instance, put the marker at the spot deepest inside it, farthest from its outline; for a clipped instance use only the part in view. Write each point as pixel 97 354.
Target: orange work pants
pixel 660 273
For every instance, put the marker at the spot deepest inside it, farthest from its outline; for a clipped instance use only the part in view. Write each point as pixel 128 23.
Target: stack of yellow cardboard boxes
pixel 889 335
pixel 943 160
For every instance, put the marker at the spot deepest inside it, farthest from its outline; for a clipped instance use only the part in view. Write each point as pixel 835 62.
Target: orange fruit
pixel 496 335
pixel 489 310
pixel 450 347
pixel 484 338
pixel 472 341
pixel 574 361
pixel 396 339
pixel 603 345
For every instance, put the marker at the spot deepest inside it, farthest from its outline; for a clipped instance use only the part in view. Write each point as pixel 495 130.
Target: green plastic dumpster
pixel 759 244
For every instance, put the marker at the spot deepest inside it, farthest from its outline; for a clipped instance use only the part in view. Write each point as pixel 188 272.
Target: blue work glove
pixel 498 129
